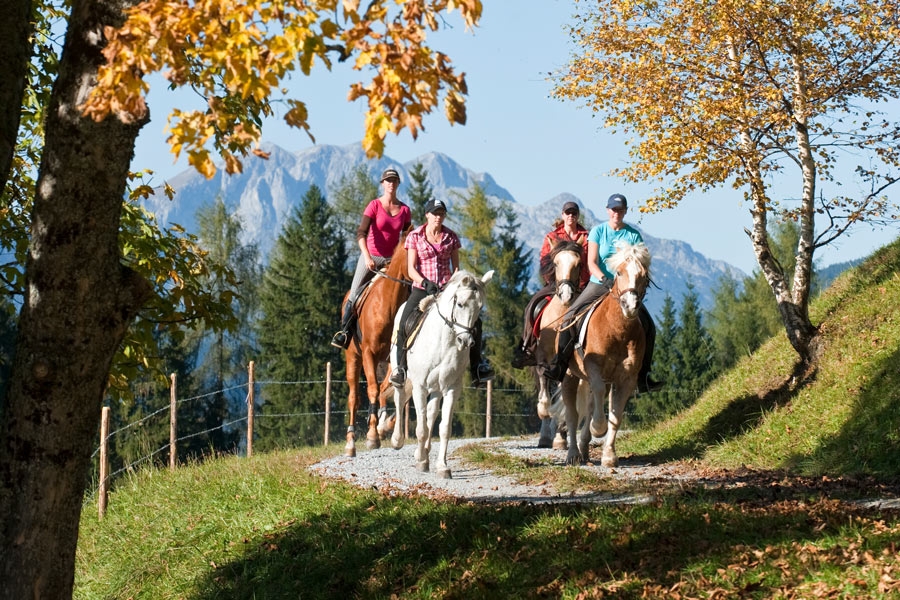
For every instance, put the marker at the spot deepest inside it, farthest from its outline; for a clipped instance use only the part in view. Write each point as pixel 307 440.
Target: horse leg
pixel 423 430
pixel 585 398
pixel 373 440
pixel 443 469
pixel 569 392
pixel 560 441
pixel 401 398
pixel 352 359
pixel 546 439
pixel 618 397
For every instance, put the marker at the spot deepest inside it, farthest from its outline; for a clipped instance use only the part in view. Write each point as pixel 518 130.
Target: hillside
pixel 842 419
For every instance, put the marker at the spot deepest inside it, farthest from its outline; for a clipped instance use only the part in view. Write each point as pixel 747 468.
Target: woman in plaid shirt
pixel 433 255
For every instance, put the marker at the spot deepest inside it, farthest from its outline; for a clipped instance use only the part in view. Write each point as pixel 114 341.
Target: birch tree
pixel 746 94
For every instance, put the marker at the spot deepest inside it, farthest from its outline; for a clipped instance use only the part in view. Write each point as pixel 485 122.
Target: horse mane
pixel 628 252
pixel 397 266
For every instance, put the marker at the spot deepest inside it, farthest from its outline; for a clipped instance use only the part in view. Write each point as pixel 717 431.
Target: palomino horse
pixel 436 362
pixel 610 358
pixel 371 347
pixel 566 260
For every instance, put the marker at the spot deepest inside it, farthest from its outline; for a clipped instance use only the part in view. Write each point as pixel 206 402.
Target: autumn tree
pixel 749 94
pixel 79 296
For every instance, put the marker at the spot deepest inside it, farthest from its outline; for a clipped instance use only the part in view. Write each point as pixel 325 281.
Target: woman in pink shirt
pixel 433 257
pixel 384 219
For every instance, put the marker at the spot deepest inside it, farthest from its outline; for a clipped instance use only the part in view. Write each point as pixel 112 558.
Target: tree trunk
pixel 79 302
pixel 16 28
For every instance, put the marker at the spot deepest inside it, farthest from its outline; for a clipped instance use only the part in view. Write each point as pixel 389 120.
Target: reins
pixel 451 323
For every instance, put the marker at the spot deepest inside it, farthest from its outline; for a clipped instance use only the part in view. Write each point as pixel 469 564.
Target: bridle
pixel 451 322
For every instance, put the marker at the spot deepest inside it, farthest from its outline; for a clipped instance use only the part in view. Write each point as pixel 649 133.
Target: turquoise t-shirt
pixel 607 240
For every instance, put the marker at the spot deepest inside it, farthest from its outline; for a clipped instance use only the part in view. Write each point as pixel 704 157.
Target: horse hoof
pixel 373 443
pixel 422 466
pixel 542 410
pixel 386 428
pixel 350 448
pixel 444 473
pixel 610 461
pixel 545 443
pixel 574 459
pixel 560 444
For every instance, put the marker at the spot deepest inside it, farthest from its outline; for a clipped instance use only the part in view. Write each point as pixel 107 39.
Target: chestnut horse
pixel 566 261
pixel 609 359
pixel 370 347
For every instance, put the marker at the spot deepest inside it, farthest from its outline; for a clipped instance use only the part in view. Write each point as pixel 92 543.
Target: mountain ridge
pixel 265 192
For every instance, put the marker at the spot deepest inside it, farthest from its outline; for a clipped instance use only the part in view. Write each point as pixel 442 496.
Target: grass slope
pixel 265 528
pixel 842 419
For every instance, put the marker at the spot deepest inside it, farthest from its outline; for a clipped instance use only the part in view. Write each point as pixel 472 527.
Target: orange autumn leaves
pixel 239 54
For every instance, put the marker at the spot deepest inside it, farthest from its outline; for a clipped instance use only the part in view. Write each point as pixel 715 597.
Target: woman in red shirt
pixel 565 229
pixel 384 219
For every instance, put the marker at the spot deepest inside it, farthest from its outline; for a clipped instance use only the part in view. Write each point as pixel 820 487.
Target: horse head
pixel 459 305
pixel 631 264
pixel 567 269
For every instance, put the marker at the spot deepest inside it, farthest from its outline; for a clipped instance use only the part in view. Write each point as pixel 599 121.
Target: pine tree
pixel 225 355
pixel 350 197
pixel 507 293
pixel 301 296
pixel 695 350
pixel 648 408
pixel 420 192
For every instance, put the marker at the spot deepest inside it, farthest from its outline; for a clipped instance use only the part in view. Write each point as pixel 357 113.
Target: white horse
pixel 436 362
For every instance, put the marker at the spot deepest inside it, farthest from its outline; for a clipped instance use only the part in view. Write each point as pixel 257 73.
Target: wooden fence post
pixel 173 422
pixel 327 400
pixel 487 416
pixel 251 403
pixel 104 461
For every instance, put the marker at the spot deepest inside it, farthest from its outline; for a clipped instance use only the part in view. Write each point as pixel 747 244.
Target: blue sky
pixel 533 145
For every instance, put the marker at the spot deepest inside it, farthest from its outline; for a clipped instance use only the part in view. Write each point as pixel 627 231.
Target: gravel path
pixel 394 472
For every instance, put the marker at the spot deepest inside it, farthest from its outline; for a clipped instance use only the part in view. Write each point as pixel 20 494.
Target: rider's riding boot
pixel 646 384
pixel 341 339
pixel 480 369
pixel 565 346
pixel 398 374
pixel 523 356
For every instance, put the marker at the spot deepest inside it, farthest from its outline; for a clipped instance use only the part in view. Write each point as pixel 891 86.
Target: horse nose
pixel 464 340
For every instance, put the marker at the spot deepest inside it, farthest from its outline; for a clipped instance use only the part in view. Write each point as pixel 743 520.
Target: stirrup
pixel 341 340
pixel 481 374
pixel 555 371
pixel 647 385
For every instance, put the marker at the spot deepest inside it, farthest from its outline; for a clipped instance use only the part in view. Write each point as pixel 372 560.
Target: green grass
pixel 266 528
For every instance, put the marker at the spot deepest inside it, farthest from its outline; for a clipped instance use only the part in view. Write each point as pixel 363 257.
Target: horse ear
pixel 487 276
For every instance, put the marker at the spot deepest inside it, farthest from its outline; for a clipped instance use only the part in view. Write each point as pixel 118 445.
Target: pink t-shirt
pixel 385 230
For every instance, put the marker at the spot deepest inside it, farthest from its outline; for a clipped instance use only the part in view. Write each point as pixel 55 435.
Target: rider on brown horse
pixel 601 245
pixel 383 220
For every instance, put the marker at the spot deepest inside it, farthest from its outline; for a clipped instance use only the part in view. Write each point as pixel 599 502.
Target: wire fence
pixel 504 422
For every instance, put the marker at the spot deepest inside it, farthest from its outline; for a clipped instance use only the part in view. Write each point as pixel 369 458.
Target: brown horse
pixel 610 358
pixel 370 347
pixel 566 261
